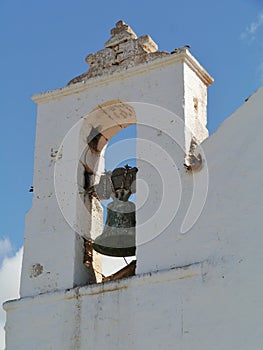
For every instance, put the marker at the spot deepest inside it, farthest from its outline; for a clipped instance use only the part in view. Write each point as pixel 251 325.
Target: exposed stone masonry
pixel 122 51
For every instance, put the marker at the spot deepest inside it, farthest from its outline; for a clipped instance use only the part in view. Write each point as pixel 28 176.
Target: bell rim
pixel 118 252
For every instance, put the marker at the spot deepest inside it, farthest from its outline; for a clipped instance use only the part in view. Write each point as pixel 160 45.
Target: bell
pixel 118 236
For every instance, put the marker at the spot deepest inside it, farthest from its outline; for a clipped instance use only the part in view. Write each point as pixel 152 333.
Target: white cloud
pixel 111 265
pixel 250 32
pixel 5 248
pixel 9 282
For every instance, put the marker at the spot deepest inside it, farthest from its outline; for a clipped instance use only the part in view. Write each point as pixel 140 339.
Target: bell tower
pixel 129 82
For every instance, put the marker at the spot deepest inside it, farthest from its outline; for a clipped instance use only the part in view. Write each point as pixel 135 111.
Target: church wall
pixel 210 299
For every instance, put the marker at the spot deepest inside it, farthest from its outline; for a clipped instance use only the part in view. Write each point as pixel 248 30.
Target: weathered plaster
pixel 66 118
pixel 213 301
pixel 196 285
pixel 183 56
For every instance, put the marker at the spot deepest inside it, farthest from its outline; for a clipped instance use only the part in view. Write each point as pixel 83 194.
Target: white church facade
pixel 196 282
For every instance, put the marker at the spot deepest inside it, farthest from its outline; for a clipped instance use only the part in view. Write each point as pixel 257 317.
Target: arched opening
pixel 107 141
pixel 81 163
pixel 120 151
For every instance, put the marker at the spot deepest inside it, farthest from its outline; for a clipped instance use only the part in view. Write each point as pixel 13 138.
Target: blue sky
pixel 44 44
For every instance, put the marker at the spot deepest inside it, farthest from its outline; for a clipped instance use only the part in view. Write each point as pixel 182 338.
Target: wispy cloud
pixel 251 30
pixel 5 248
pixel 9 282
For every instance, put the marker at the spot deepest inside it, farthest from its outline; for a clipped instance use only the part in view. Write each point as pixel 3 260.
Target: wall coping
pixel 184 56
pixel 167 275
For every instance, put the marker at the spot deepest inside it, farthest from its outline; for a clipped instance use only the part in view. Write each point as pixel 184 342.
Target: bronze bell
pixel 118 236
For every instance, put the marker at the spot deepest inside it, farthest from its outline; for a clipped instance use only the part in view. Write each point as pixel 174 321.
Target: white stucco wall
pixel 197 282
pixel 212 303
pixel 53 252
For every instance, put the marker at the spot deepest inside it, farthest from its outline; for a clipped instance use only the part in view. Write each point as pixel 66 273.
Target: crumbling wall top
pixel 122 51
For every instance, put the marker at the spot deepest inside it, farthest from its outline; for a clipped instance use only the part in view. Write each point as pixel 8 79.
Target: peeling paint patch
pixel 195 100
pixel 36 270
pixel 55 154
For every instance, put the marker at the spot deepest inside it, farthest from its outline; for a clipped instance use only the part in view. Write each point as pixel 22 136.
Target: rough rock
pixel 122 51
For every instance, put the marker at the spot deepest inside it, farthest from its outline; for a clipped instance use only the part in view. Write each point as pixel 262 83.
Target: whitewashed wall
pixel 53 252
pixel 215 302
pixel 198 280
